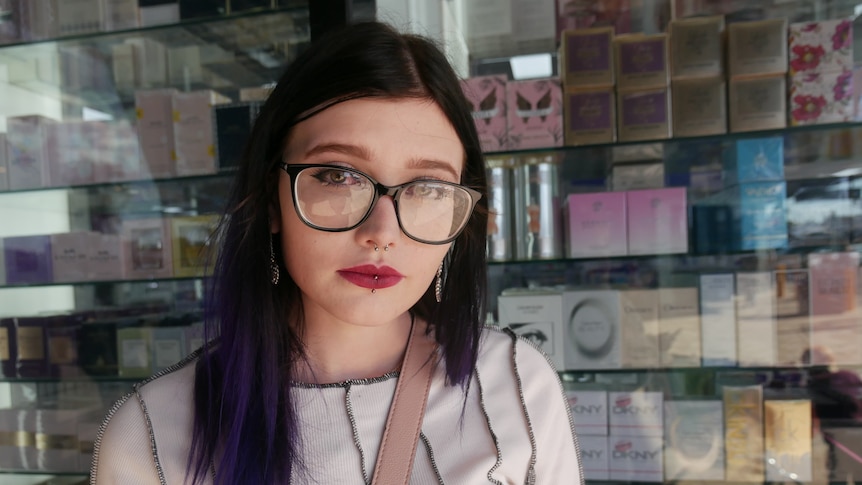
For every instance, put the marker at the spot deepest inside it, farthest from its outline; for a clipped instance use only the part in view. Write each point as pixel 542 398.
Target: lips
pixel 370 276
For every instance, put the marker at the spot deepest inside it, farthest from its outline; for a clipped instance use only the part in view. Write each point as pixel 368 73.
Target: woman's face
pixel 394 141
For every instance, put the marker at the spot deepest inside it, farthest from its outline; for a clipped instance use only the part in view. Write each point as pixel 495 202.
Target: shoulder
pixel 152 421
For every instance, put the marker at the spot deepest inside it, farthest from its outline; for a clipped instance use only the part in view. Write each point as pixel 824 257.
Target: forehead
pixel 387 130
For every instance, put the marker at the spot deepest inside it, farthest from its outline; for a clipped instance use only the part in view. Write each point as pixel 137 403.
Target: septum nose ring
pixel 385 248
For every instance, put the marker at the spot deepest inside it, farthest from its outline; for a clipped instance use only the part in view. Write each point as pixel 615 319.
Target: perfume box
pixel 591 322
pixel 590 116
pixel 644 115
pixel 191 240
pixel 694 440
pixel 31 347
pixel 159 14
pixel 487 97
pixel 25 146
pixel 28 259
pixel 636 458
pixel 105 257
pixel 753 216
pixel 697 47
pixel 168 346
pixel 637 176
pixel 586 57
pixel 151 61
pixel 61 337
pixel 8 349
pixel 641 61
pixel 536 317
pixel 758 103
pixel 787 430
pixel 717 320
pixel 134 351
pixel 679 327
pixel 753 160
pixel 193 131
pixel 155 132
pixel 699 106
pixel 821 97
pixel 2 263
pixel 822 46
pixel 56 440
pixel 595 224
pixel 743 433
pixel 9 450
pixel 233 126
pixel 97 348
pixel 121 15
pixel 589 412
pixel 640 328
pixel 534 111
pixel 833 293
pixel 147 249
pixel 69 254
pixel 76 17
pixel 120 153
pixel 793 322
pixel 757 47
pixel 657 221
pixel 594 456
pixel 755 319
pixel 636 414
pixel 71 152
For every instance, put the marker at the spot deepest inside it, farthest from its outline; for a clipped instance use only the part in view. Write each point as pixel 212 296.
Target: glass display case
pixel 694 275
pixel 118 137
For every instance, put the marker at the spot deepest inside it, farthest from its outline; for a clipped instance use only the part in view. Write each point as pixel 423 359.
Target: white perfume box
pixel 636 413
pixel 194 142
pixel 636 458
pixel 755 319
pixel 639 328
pixel 591 321
pixel 787 430
pixel 105 257
pixel 694 440
pixel 717 320
pixel 679 327
pixel 156 131
pixel 69 252
pixel 594 456
pixel 536 317
pixel 589 412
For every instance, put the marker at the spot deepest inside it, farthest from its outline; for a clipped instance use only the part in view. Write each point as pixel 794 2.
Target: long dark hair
pixel 245 422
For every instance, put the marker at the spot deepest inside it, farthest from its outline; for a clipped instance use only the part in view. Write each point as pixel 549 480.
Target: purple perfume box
pixel 28 260
pixel 644 115
pixel 586 57
pixel 641 61
pixel 534 114
pixel 590 116
pixel 487 97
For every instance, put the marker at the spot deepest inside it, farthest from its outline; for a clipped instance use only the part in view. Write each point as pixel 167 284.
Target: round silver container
pixel 499 175
pixel 538 220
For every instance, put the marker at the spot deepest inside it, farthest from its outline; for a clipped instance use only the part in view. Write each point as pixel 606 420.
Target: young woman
pixel 357 218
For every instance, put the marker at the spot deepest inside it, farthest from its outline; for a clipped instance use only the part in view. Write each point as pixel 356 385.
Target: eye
pixel 427 191
pixel 330 176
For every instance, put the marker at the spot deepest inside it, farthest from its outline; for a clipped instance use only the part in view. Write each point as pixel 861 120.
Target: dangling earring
pixel 273 266
pixel 438 286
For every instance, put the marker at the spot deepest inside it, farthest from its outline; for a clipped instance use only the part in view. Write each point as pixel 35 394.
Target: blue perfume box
pixel 744 217
pixel 753 160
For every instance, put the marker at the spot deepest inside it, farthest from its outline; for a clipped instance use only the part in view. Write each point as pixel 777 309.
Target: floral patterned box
pixel 821 46
pixel 820 98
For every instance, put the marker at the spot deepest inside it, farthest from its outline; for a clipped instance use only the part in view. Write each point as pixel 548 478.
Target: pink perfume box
pixel 69 252
pixel 193 131
pixel 147 249
pixel 833 282
pixel 25 139
pixel 534 113
pixel 105 261
pixel 487 97
pixel 821 46
pixel 71 152
pixel 156 132
pixel 595 225
pixel 120 153
pixel 657 221
pixel 821 97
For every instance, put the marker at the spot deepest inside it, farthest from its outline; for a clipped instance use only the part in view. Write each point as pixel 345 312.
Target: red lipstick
pixel 370 276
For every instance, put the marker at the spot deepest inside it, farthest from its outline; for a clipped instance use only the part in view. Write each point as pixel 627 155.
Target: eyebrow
pixel 364 153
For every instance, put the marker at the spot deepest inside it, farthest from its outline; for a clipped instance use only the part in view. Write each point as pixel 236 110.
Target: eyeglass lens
pixel 334 198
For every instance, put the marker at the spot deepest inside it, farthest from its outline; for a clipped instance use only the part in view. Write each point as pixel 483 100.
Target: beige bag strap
pixel 404 423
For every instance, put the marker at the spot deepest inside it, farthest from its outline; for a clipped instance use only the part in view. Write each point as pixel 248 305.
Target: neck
pixel 339 351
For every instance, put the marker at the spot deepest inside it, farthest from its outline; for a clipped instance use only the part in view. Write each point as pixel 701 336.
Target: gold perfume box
pixel 757 48
pixel 699 106
pixel 743 433
pixel 758 103
pixel 697 47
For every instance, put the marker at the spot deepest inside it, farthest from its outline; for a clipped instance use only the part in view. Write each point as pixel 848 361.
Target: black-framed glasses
pixel 334 198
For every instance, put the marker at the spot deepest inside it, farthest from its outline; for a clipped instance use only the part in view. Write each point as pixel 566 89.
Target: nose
pixel 381 227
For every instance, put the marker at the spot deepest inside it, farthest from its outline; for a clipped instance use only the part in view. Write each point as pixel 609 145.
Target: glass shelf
pixel 154 281
pixel 131 183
